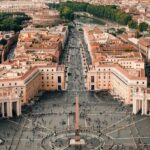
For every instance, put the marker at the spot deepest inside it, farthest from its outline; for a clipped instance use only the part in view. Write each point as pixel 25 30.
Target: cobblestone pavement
pixel 55 111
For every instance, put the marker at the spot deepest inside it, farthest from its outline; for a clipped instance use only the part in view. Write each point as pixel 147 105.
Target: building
pixel 116 66
pixel 141 102
pixel 23 6
pixel 35 68
pixel 9 103
pixel 41 44
pixel 144 46
pixel 27 81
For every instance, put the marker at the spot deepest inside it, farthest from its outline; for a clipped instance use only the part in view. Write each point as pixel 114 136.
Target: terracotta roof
pixel 145 42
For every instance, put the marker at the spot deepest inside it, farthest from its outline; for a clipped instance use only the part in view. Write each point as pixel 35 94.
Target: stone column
pixel 1 108
pixel 146 109
pixel 3 115
pixel 18 108
pixel 139 105
pixel 143 107
pixel 135 106
pixel 9 109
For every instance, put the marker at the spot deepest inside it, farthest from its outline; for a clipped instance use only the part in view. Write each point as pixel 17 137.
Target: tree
pixel 143 26
pixel 110 12
pixel 12 21
pixel 66 13
pixel 132 24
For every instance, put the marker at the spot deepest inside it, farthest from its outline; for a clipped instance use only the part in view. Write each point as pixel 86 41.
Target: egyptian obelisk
pixel 77 141
pixel 77 136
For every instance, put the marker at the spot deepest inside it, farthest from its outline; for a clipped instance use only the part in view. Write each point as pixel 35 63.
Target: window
pixel 42 78
pixel 52 77
pixel 92 87
pixel 59 79
pixel 15 83
pixel 92 78
pixel 2 84
pixel 47 78
pixel 9 83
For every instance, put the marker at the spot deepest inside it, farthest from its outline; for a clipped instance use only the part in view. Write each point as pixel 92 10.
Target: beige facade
pixel 38 78
pixel 116 67
pixel 35 67
pixel 144 46
pixel 23 6
pixel 141 102
pixel 10 104
pixel 115 79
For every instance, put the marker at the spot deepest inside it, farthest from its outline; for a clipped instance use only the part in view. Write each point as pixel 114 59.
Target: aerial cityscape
pixel 74 75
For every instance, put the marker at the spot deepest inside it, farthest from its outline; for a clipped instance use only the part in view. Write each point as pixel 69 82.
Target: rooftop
pixel 145 41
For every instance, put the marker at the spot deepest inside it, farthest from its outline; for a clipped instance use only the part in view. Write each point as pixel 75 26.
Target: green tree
pixel 132 24
pixel 66 13
pixel 12 21
pixel 143 26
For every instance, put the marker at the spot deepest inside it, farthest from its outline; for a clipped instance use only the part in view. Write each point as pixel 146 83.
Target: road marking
pixel 125 126
pixel 126 138
pixel 40 125
pixel 68 122
pixel 22 139
pixel 110 113
pixel 116 123
pixel 18 124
